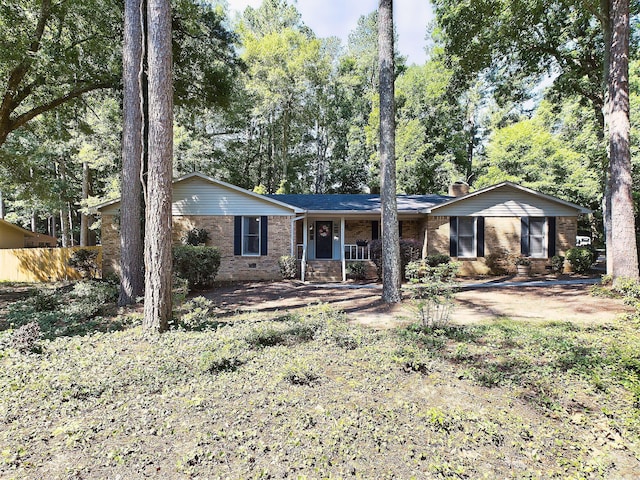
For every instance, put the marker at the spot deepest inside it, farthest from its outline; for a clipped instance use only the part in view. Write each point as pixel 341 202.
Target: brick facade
pixel 500 233
pixel 433 232
pixel 221 229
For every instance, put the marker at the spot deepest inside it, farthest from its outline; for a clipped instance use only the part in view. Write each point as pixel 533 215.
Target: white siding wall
pixel 506 202
pixel 197 196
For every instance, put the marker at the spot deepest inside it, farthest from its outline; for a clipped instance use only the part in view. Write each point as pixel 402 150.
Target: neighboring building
pixel 325 231
pixel 13 236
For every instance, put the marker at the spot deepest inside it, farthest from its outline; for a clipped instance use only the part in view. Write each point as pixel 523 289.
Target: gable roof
pixel 360 203
pixel 515 186
pixel 27 233
pixel 213 181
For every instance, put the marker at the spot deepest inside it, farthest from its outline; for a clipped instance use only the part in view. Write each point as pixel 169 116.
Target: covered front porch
pixel 325 244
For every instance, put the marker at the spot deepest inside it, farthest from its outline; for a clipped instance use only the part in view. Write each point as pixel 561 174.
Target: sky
pixel 339 17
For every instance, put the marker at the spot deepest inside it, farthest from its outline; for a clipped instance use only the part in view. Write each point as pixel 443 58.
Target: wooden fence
pixel 40 264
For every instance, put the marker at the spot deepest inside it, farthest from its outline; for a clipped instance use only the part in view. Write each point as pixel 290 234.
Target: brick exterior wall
pixel 357 230
pixel 220 228
pixel 110 239
pixel 499 233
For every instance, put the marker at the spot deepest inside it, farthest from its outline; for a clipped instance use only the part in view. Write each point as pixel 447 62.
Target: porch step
pixel 324 271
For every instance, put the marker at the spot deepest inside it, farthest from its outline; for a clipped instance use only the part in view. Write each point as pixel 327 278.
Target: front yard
pixel 300 392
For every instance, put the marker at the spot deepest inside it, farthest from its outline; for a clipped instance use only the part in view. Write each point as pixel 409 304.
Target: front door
pixel 324 239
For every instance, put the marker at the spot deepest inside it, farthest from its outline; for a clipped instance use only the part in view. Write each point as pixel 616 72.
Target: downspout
pixel 344 261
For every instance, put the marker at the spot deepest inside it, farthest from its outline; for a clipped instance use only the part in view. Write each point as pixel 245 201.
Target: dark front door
pixel 324 239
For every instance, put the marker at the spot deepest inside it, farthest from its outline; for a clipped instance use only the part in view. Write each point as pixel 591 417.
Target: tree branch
pixel 34 112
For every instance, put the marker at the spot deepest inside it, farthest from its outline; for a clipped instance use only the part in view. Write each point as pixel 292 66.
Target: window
pixel 466 237
pixel 537 237
pixel 250 235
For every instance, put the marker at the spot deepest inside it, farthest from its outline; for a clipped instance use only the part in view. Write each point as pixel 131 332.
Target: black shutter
pixel 237 235
pixel 374 230
pixel 524 236
pixel 400 229
pixel 551 250
pixel 263 235
pixel 453 236
pixel 480 237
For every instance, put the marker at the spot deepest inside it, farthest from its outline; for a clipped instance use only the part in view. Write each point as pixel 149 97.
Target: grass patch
pixel 307 394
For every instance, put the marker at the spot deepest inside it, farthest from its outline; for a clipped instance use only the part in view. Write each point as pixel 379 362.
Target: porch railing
pixel 351 252
pixel 357 252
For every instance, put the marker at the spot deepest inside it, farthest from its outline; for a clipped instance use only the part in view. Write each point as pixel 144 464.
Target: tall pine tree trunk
pixel 157 252
pixel 624 254
pixel 131 250
pixel 84 218
pixel 390 240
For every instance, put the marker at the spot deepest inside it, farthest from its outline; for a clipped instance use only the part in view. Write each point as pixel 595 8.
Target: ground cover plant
pixel 305 394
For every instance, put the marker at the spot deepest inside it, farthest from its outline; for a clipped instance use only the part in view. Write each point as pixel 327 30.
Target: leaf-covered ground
pixel 307 395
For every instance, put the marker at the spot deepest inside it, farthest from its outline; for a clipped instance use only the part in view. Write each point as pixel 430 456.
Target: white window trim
pixel 245 254
pixel 474 248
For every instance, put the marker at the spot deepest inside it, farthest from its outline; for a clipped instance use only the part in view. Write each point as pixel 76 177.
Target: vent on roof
pixel 458 189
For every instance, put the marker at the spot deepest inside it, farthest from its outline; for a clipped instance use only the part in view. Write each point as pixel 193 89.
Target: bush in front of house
pixel 581 259
pixel 195 237
pixel 557 264
pixel 432 291
pixel 85 261
pixel 198 265
pixel 410 251
pixel 356 270
pixel 288 267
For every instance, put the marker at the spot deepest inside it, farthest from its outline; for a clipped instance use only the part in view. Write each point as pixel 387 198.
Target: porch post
pixel 303 261
pixel 344 262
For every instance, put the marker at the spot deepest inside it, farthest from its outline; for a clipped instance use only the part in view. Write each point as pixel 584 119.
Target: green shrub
pixel 85 261
pixel 288 266
pixel 581 259
pixel 92 297
pixel 195 237
pixel 410 250
pixel 557 264
pixel 440 272
pixel 197 264
pixel 437 259
pixel 432 291
pixel 198 314
pixel 299 372
pixel 356 270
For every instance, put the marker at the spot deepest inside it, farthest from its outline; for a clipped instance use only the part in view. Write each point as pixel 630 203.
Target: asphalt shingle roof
pixel 357 202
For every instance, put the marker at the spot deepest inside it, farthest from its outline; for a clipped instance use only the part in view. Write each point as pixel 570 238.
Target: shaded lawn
pixel 309 395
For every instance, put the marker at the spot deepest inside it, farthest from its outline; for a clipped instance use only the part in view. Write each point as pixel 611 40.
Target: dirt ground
pixel 363 305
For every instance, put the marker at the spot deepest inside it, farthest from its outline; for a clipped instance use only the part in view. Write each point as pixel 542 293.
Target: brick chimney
pixel 458 189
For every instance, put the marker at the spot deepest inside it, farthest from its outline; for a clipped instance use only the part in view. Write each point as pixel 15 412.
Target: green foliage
pixel 85 261
pixel 437 259
pixel 197 264
pixel 288 266
pixel 557 264
pixel 299 372
pixel 356 270
pixel 197 314
pixel 196 237
pixel 72 310
pixel 581 259
pixel 432 291
pixel 25 338
pixel 410 250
